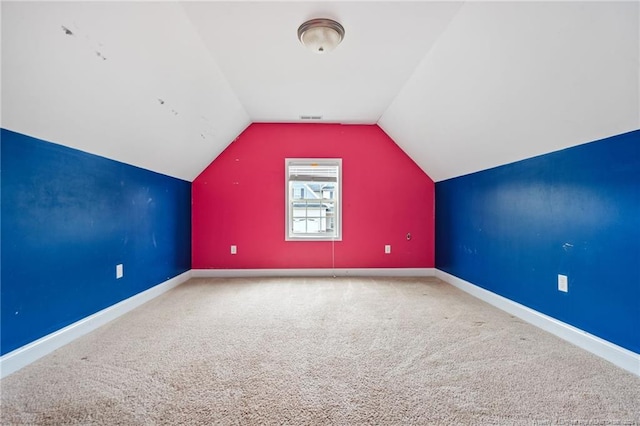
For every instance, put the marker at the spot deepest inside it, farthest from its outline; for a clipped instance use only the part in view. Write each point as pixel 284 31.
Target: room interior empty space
pixel 344 213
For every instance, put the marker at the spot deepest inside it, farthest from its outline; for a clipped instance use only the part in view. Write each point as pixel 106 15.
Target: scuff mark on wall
pixel 162 102
pixel 89 42
pixel 209 128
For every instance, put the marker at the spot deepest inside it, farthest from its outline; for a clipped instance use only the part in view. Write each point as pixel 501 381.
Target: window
pixel 313 199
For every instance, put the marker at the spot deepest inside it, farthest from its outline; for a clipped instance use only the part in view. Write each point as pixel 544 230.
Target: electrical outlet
pixel 563 283
pixel 119 271
pixel 387 249
pixel 234 249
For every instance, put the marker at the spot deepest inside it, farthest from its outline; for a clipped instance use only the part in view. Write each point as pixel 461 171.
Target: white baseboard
pixel 615 354
pixel 25 355
pixel 311 272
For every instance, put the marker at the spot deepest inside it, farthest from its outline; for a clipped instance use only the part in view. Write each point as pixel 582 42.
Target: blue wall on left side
pixel 68 218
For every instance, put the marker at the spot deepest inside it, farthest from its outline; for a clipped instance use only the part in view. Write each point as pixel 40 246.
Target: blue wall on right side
pixel 512 229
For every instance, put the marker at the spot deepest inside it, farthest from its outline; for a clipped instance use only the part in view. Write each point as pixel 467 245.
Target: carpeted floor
pixel 343 351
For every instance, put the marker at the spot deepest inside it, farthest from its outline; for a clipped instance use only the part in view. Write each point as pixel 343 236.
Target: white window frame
pixel 337 199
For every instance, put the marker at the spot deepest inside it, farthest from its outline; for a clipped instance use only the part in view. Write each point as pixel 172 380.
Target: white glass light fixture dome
pixel 321 35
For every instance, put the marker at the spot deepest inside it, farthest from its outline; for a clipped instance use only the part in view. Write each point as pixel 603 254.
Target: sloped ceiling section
pixel 511 80
pixel 128 81
pixel 461 87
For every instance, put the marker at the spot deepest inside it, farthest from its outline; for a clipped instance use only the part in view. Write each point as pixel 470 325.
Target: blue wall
pixel 68 218
pixel 576 212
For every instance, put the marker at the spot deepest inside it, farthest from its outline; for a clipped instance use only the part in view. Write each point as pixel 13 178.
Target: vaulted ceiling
pixel 460 86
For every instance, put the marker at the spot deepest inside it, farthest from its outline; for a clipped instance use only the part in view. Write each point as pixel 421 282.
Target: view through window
pixel 313 199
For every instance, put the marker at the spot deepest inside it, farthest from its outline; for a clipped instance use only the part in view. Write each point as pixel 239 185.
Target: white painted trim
pixel 328 272
pixel 25 355
pixel 615 354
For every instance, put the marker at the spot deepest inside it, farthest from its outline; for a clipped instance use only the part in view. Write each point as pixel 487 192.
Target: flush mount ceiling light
pixel 321 35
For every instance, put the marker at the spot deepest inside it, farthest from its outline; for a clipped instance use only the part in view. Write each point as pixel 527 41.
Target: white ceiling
pixel 277 79
pixel 511 80
pixel 102 88
pixel 459 86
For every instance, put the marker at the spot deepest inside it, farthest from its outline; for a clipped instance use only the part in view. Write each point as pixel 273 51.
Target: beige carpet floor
pixel 309 351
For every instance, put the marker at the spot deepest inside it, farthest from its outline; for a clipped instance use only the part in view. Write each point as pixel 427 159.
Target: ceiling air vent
pixel 310 117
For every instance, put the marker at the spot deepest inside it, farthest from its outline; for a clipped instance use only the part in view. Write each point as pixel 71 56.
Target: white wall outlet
pixel 387 248
pixel 234 250
pixel 119 271
pixel 563 283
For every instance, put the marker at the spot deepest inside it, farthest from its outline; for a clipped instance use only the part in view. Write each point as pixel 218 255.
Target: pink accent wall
pixel 239 199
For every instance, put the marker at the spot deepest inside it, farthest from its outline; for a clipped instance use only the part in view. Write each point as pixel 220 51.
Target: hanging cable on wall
pixel 333 255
